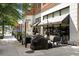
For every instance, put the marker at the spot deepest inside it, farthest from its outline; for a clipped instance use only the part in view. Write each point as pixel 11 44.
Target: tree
pixel 8 15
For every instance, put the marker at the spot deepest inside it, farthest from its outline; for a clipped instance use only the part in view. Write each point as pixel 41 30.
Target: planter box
pixel 1 37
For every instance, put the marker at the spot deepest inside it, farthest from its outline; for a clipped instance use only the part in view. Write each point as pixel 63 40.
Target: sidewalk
pixel 9 46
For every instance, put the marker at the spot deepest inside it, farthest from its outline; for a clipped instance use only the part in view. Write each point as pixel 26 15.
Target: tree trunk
pixel 3 29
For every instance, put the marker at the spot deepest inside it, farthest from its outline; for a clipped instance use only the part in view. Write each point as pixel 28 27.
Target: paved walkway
pixel 9 46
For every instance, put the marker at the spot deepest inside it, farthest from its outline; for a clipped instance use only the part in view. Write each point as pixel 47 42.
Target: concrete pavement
pixel 9 46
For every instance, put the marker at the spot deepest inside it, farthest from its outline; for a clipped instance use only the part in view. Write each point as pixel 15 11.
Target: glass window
pixel 50 15
pixel 57 13
pixel 38 20
pixel 38 5
pixel 44 3
pixel 65 10
pixel 45 17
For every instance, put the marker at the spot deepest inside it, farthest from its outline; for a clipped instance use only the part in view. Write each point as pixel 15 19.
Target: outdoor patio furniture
pixel 56 40
pixel 51 37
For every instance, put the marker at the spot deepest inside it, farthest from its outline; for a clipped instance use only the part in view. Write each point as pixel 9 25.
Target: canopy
pixel 36 24
pixel 55 20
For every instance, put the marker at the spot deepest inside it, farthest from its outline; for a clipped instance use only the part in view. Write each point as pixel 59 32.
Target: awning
pixel 43 22
pixel 36 24
pixel 55 20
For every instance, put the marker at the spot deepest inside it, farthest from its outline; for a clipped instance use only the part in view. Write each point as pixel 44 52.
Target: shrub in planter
pixel 1 37
pixel 19 36
pixel 39 42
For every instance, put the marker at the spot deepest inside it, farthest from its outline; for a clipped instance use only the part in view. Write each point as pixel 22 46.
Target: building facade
pixel 56 19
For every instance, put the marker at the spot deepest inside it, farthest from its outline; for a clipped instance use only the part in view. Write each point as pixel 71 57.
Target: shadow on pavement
pixel 30 51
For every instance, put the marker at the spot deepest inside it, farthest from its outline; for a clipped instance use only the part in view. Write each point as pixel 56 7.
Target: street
pixel 9 46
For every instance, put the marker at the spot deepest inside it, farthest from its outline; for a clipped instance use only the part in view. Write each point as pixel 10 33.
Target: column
pixel 41 32
pixel 74 30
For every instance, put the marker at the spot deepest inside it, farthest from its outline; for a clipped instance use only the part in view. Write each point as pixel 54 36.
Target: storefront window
pixel 57 13
pixel 45 17
pixel 65 10
pixel 50 15
pixel 44 3
pixel 38 20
